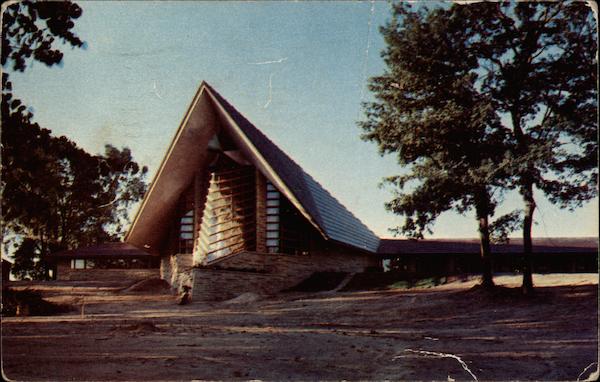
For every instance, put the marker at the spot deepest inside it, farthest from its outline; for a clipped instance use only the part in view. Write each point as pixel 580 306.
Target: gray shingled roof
pixel 329 214
pixel 466 246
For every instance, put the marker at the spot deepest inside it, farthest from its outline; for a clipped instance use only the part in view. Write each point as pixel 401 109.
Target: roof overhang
pixel 186 155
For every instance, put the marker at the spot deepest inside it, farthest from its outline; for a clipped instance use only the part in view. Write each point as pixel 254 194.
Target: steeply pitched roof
pixel 465 246
pixel 185 156
pixel 332 218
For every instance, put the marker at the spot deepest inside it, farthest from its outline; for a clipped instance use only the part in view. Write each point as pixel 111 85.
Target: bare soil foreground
pixel 449 332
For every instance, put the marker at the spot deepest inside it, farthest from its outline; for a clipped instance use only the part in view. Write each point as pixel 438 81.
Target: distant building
pixel 229 212
pixel 104 262
pixel 439 257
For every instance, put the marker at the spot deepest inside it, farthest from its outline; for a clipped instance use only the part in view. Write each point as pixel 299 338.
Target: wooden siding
pixel 229 215
pixel 201 184
pixel 261 215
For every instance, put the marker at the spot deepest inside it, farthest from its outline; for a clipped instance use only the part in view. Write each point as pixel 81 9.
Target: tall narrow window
pixel 272 231
pixel 185 221
pixel 186 232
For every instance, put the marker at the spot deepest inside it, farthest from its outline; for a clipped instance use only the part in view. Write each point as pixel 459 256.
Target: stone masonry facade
pixel 177 270
pixel 265 274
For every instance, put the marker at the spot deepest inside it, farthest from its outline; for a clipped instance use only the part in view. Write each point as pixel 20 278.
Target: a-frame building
pixel 229 212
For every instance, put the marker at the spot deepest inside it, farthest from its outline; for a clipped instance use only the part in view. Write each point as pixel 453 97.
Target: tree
pixel 30 30
pixel 28 263
pixel 538 63
pixel 429 113
pixel 54 194
pixel 532 65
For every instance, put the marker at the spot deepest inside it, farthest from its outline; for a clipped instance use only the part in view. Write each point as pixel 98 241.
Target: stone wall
pixel 218 285
pixel 166 271
pixel 64 272
pixel 177 269
pixel 284 263
pixel 264 273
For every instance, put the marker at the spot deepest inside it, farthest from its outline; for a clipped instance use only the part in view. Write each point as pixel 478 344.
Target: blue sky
pixel 297 70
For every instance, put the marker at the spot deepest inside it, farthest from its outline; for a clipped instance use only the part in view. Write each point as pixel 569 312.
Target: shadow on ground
pixel 416 334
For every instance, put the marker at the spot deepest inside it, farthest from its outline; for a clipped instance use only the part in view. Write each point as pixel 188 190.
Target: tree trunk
pixel 487 278
pixel 527 192
pixel 527 286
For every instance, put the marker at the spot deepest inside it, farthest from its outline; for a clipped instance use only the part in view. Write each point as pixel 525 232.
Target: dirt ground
pixel 449 332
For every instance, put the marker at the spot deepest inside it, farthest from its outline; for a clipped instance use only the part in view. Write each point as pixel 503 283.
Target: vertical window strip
pixel 186 223
pixel 272 215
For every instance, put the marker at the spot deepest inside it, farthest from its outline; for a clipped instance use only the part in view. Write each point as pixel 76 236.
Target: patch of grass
pixel 391 280
pixel 400 285
pixel 428 282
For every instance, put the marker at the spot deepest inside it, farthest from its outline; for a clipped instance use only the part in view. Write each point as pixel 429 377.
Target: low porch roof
pixel 105 250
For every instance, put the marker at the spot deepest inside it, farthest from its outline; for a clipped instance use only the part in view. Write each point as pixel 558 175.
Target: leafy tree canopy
pixel 54 194
pixel 429 112
pixel 480 98
pixel 529 63
pixel 59 195
pixel 30 30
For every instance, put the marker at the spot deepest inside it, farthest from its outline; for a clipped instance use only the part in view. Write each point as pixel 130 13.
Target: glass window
pixel 273 203
pixel 272 218
pixel 272 210
pixel 186 235
pixel 272 242
pixel 187 228
pixel 78 264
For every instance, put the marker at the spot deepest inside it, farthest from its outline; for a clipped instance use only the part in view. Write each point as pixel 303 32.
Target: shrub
pixel 28 303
